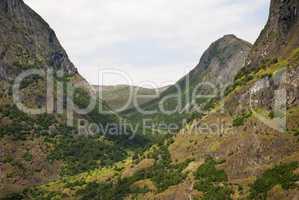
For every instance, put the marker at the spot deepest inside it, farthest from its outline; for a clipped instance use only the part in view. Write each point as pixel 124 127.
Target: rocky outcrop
pixel 27 42
pixel 280 35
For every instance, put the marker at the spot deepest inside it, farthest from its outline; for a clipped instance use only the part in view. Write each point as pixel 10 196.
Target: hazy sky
pixel 156 41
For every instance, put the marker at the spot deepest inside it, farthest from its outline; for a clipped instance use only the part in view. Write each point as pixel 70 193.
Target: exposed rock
pixel 27 41
pixel 260 85
pixel 280 35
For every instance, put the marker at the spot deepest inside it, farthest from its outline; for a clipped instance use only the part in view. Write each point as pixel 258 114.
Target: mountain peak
pixel 229 36
pixel 227 39
pixel 222 60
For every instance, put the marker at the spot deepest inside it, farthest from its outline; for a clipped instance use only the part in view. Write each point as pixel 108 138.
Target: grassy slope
pixel 120 95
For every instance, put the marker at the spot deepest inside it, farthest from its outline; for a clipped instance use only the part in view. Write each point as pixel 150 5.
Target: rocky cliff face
pixel 280 35
pixel 27 42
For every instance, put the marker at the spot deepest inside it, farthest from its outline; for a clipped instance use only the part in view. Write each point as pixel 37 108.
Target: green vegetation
pixel 279 175
pixel 240 81
pixel 103 191
pixel 241 119
pixel 163 174
pixel 294 58
pixel 212 182
pixel 27 156
pixel 78 153
pixel 296 132
pixel 109 121
pixel 209 173
pixel 110 191
pixel 82 153
pixel 14 196
pixel 36 194
pixel 82 99
pixel 19 123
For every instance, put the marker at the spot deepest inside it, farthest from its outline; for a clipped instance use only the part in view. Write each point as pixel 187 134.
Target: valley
pixel 228 130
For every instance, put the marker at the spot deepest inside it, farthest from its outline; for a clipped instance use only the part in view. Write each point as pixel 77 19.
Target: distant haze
pixel 156 41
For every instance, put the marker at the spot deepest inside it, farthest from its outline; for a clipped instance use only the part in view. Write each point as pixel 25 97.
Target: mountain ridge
pixel 120 97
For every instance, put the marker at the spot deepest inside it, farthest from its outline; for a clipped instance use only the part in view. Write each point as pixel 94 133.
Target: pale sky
pixel 156 41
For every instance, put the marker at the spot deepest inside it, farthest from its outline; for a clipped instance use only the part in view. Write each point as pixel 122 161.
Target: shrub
pixel 27 156
pixel 209 173
pixel 14 196
pixel 271 115
pixel 85 153
pixel 208 181
pixel 279 175
pixel 240 119
pixel 240 80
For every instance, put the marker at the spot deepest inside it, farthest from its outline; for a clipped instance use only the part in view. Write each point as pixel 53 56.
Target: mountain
pixel 36 148
pixel 122 97
pixel 221 61
pixel 246 149
pixel 217 69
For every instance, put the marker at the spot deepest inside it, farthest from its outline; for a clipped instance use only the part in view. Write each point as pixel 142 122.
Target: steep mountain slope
pixel 280 35
pixel 37 148
pixel 27 41
pixel 216 70
pixel 220 62
pixel 123 97
pixel 246 150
